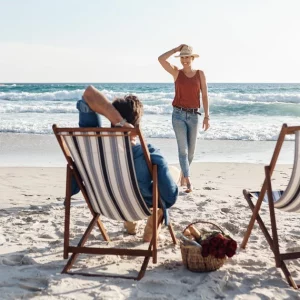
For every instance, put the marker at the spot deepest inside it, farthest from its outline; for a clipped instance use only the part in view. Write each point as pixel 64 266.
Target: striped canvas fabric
pixel 289 200
pixel 276 195
pixel 106 166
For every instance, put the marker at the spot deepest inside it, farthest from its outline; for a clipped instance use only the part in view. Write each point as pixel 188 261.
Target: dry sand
pixel 31 240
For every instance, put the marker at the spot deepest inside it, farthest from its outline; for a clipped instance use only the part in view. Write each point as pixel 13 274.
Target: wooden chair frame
pixel 267 186
pixel 80 248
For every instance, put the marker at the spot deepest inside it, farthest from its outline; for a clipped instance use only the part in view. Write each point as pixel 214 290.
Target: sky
pixel 120 40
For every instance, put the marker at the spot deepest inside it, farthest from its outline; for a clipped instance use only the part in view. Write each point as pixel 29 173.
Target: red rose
pixel 204 252
pixel 221 250
pixel 214 241
pixel 204 242
pixel 222 245
pixel 232 244
pixel 230 252
pixel 212 251
pixel 225 242
pixel 220 236
pixel 220 256
pixel 205 247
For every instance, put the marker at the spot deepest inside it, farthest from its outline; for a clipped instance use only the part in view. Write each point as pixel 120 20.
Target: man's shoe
pixel 131 227
pixel 148 231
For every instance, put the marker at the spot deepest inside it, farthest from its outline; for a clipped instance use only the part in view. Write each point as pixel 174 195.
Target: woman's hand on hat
pixel 180 47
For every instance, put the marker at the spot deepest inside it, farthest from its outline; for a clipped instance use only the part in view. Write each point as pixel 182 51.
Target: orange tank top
pixel 187 91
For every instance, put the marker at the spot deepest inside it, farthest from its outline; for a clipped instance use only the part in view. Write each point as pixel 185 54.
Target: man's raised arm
pixel 100 104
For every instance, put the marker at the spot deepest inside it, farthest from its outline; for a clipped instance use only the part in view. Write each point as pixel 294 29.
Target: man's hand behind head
pixel 128 125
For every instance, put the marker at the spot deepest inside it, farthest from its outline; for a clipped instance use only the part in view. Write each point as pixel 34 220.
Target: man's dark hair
pixel 130 108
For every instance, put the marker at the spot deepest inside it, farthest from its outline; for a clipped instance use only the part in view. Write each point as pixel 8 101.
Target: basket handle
pixel 203 222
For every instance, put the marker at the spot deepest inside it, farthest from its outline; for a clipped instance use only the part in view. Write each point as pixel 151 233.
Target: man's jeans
pixel 87 118
pixel 186 126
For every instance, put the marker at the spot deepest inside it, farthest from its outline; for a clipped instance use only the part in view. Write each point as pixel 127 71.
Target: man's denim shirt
pixel 168 189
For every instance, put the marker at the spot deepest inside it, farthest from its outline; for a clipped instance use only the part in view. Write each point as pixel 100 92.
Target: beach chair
pixel 287 200
pixel 101 161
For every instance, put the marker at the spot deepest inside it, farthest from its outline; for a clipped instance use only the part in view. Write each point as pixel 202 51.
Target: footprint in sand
pixel 295 233
pixel 160 289
pixel 253 237
pixel 17 260
pixel 187 280
pixel 48 236
pixel 231 227
pixel 201 205
pixel 28 219
pixel 240 204
pixel 4 212
pixel 35 207
pixel 171 265
pixel 252 262
pixel 209 188
pixel 34 284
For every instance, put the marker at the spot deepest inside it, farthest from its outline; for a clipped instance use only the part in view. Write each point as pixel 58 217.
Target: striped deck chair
pixel 101 161
pixel 287 200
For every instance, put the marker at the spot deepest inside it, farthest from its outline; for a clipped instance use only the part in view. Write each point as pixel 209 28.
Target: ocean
pixel 239 111
pixel 245 119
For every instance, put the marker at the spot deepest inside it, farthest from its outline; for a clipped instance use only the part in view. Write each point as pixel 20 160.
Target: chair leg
pixel 67 227
pixel 259 220
pixel 273 219
pixel 288 275
pixel 83 240
pixel 153 242
pixel 263 228
pixel 103 230
pixel 277 149
pixel 67 212
pixel 170 227
pixel 144 265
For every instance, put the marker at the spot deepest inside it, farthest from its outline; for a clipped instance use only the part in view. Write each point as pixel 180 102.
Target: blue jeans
pixel 87 118
pixel 186 126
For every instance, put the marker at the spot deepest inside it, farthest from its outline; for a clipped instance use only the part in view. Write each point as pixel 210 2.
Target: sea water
pixel 238 111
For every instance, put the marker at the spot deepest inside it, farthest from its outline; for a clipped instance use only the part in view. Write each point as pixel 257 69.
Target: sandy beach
pixel 234 65
pixel 31 240
pixel 42 150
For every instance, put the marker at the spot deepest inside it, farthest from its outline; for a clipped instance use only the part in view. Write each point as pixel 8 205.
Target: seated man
pixel 127 112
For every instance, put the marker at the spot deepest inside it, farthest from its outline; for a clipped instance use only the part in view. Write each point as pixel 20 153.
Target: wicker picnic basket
pixel 193 259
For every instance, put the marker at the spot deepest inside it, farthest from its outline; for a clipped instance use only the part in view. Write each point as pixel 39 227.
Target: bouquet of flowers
pixel 204 247
pixel 218 245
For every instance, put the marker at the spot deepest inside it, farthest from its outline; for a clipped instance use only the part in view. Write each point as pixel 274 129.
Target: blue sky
pixel 119 41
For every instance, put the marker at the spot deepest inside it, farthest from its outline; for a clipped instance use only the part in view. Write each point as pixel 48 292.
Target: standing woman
pixel 189 84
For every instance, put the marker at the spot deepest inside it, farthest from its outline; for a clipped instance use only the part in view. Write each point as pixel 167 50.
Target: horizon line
pixel 143 82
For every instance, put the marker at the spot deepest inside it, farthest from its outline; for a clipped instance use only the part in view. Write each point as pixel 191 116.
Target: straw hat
pixel 187 51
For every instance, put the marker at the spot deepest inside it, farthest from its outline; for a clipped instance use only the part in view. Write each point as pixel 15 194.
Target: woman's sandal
pixel 189 188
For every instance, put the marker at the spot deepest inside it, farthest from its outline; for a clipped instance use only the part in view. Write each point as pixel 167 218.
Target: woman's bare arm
pixel 173 70
pixel 204 100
